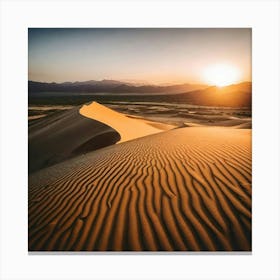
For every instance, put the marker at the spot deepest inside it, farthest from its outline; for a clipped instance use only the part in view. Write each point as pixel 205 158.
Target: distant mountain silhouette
pixel 236 95
pixel 109 86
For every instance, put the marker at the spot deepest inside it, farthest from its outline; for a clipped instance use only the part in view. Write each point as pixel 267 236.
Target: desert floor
pixel 103 181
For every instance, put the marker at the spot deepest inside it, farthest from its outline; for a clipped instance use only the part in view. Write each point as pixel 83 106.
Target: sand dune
pixel 152 193
pixel 64 135
pixel 245 125
pixel 128 128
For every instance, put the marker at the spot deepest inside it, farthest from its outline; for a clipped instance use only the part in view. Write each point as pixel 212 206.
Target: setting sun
pixel 221 75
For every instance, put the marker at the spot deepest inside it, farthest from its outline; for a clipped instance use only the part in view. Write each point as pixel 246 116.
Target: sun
pixel 221 75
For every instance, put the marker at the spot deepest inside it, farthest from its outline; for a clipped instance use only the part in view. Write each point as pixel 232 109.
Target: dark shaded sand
pixel 187 189
pixel 64 135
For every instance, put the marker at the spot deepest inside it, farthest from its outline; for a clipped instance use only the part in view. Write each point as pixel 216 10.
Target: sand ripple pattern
pixel 188 189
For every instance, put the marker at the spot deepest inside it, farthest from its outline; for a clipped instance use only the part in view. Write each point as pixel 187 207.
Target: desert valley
pixel 139 140
pixel 147 176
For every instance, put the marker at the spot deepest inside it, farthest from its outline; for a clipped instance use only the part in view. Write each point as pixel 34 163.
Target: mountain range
pixel 235 95
pixel 110 86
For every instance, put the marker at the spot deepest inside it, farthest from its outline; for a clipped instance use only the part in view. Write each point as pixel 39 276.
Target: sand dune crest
pixel 128 128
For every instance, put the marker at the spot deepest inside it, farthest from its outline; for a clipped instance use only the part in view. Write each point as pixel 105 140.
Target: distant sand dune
pixel 184 189
pixel 246 125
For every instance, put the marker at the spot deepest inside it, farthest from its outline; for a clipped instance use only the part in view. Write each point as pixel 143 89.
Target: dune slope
pixel 187 189
pixel 64 135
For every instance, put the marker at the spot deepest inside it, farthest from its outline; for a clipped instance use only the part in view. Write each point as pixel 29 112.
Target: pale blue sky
pixel 150 55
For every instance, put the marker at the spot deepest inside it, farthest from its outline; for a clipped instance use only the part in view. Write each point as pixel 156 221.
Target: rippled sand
pixel 186 189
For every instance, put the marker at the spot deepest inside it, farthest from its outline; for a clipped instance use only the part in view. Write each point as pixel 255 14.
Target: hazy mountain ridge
pixel 235 95
pixel 110 86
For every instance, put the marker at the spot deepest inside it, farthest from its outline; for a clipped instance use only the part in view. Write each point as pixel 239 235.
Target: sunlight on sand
pixel 127 127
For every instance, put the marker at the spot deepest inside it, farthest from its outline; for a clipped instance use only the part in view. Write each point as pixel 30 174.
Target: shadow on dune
pixel 64 135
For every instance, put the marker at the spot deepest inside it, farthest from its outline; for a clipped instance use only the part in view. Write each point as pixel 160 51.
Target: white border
pixel 17 16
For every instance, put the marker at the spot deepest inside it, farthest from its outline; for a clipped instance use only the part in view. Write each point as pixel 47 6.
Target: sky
pixel 148 55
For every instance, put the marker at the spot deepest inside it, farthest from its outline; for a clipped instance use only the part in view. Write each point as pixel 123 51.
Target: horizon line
pixel 143 83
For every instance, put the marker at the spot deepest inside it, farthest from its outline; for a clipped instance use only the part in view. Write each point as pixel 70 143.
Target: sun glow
pixel 221 75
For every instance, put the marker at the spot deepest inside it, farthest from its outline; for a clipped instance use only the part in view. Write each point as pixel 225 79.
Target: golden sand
pixel 128 128
pixel 187 189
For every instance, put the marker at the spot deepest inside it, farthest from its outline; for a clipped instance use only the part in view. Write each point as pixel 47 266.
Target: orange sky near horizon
pixel 151 55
